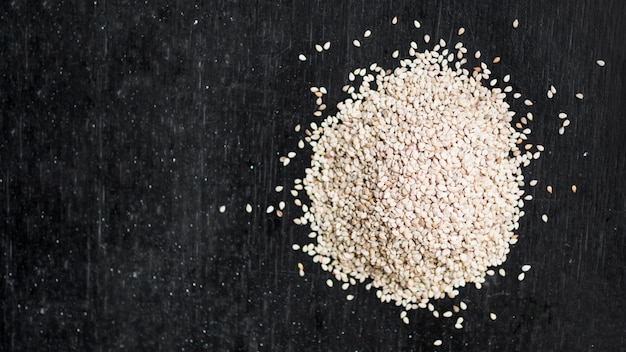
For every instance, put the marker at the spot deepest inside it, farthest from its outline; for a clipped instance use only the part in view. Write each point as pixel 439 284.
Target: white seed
pixel 295 247
pixel 515 23
pixel 566 123
pixel 356 43
pixel 319 48
pixel 460 31
pixel 345 286
pixel 525 267
pixel 222 209
pixel 329 282
pixel 493 316
pixel 549 189
pixel 562 115
pixel 517 95
pixel 367 33
pixel 549 94
pixel 301 57
pixel 447 314
pixel 394 20
pixel 269 209
pixel 502 272
pixel 532 183
pixel 463 305
pixel 544 218
pixel 528 102
pixel 580 96
pixel 553 89
pixel 540 147
pixel 248 208
pixel 395 54
pixel 506 78
pixel 426 38
pixel 561 130
pixel 297 128
pixel 437 343
pixel 574 188
pixel 477 54
pixel 405 320
pixel 417 24
pixel 350 297
pixel 521 276
pixel 601 63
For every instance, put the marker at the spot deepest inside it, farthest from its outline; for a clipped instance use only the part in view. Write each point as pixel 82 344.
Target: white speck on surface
pixel 248 208
pixel 515 23
pixel 544 218
pixel 437 343
pixel 295 247
pixel 319 48
pixel 580 96
pixel 502 272
pixel 356 43
pixel 350 297
pixel 417 24
pixel 222 209
pixel 326 46
pixel 463 305
pixel 426 38
pixel 394 20
pixel 367 33
pixel 301 57
pixel 493 316
pixel 601 63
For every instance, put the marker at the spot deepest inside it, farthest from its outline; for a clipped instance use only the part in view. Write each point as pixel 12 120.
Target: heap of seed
pixel 415 182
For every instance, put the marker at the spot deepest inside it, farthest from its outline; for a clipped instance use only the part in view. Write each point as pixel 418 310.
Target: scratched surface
pixel 125 126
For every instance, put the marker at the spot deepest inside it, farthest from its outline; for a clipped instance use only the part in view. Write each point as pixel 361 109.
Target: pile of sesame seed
pixel 415 182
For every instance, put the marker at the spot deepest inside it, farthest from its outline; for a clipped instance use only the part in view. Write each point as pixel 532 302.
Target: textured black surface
pixel 125 125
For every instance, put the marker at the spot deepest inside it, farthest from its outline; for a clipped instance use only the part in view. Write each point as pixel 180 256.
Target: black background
pixel 126 125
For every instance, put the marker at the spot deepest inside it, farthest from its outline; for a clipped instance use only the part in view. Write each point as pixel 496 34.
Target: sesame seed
pixel 295 247
pixel 279 213
pixel 540 147
pixel 300 267
pixel 574 188
pixel 528 102
pixel 463 305
pixel 301 273
pixel 319 48
pixel 297 128
pixel 329 282
pixel 490 272
pixel 600 63
pixel 301 57
pixel 395 54
pixel 580 96
pixel 403 314
pixel 417 24
pixel 435 313
pixel 248 208
pixel 326 46
pixel 356 43
pixel 549 189
pixel 544 218
pixel 566 123
pixel 496 59
pixel 517 95
pixel 525 267
pixel 521 277
pixel 426 38
pixel 350 297
pixel 345 286
pixel 394 20
pixel 447 314
pixel 437 343
pixel 561 130
pixel 405 320
pixel 506 78
pixel 291 155
pixel 367 33
pixel 562 115
pixel 281 205
pixel 477 54
pixel 515 23
pixel 533 183
pixel 222 209
pixel 502 272
pixel 460 31
pixel 493 316
pixel 269 209
pixel 549 94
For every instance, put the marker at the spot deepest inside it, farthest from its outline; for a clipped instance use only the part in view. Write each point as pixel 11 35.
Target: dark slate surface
pixel 125 125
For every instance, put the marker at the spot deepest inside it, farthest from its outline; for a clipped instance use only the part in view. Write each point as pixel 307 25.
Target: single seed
pixel 417 24
pixel 456 309
pixel 528 102
pixel 248 208
pixel 496 59
pixel 561 130
pixel 562 115
pixel 447 314
pixel 549 189
pixel 490 272
pixel 395 54
pixel 580 96
pixel 493 316
pixel 297 128
pixel 566 123
pixel 502 272
pixel 300 267
pixel 350 297
pixel 319 48
pixel 279 213
pixel 345 286
pixel 295 247
pixel 463 305
pixel 525 267
pixel 540 148
pixel 436 313
pixel 222 209
pixel 477 54
pixel 574 188
pixel 601 63
pixel 506 78
pixel 515 23
pixel 301 272
pixel 460 31
pixel 405 320
pixel 367 33
pixel 521 276
pixel 549 94
pixel 329 282
pixel 356 43
pixel 426 38
pixel 544 218
pixel 532 183
pixel 301 57
pixel 281 205
pixel 517 95
pixel 437 343
pixel 269 209
pixel 326 45
pixel 394 20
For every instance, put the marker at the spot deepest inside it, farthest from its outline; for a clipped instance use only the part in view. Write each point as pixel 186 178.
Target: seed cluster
pixel 415 182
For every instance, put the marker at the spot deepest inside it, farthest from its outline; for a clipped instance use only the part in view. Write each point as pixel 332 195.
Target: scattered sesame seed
pixel 437 343
pixel 345 286
pixel 301 57
pixel 248 208
pixel 562 115
pixel 417 24
pixel 502 272
pixel 490 272
pixel 561 130
pixel 329 282
pixel 521 276
pixel 517 95
pixel 394 20
pixel 326 46
pixel 463 305
pixel 540 147
pixel 367 33
pixel 506 78
pixel 526 267
pixel 319 48
pixel 566 123
pixel 281 205
pixel 477 54
pixel 405 320
pixel 269 209
pixel 580 96
pixel 496 59
pixel 549 94
pixel 300 266
pixel 291 155
pixel 395 54
pixel 544 218
pixel 295 247
pixel 460 31
pixel 447 314
pixel 350 297
pixel 532 183
pixel 301 272
pixel 403 314
pixel 515 23
pixel 297 128
pixel 279 213
pixel 574 188
pixel 528 102
pixel 356 43
pixel 222 209
pixel 601 63
pixel 426 38
pixel 493 316
pixel 435 313
pixel 549 189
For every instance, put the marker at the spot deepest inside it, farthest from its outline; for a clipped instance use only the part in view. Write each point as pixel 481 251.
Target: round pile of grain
pixel 414 183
